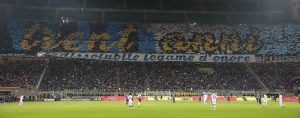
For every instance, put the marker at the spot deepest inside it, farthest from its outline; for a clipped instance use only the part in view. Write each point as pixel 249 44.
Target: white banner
pixel 49 100
pixel 142 57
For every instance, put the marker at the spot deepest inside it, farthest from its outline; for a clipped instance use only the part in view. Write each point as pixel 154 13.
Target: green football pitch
pixel 149 109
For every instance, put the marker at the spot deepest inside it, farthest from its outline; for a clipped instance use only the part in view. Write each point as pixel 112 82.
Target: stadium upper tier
pixel 153 11
pixel 30 37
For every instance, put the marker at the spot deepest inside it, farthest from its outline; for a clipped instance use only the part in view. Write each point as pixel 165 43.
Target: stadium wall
pixel 145 98
pixel 164 98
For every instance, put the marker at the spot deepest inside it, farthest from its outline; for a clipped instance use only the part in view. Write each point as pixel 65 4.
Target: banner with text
pixel 142 57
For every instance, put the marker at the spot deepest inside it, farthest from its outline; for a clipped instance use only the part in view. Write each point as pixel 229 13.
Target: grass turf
pixel 150 109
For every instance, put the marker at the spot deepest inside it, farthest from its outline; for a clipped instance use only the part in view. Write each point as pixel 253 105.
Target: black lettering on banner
pixel 190 58
pixel 247 59
pixel 160 58
pixel 117 56
pixel 65 54
pixel 94 56
pixel 136 57
pixel 107 57
pixel 169 58
pixel 232 59
pixel 216 58
pixel 203 58
pixel 239 58
pixel 156 57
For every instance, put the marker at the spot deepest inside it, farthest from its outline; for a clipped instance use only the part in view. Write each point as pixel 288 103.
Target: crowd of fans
pixel 280 40
pixel 112 76
pixel 190 76
pixel 20 73
pixel 5 45
pixel 278 76
pixel 277 40
pixel 74 74
pixel 7 98
pixel 64 74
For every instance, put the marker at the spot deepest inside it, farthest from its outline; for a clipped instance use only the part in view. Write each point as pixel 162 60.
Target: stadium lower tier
pixel 66 74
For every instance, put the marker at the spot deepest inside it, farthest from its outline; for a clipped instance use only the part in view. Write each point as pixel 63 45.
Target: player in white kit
pixel 130 101
pixel 205 99
pixel 21 100
pixel 213 101
pixel 280 101
pixel 265 104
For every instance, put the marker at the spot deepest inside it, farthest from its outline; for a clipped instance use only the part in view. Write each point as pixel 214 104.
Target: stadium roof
pixel 165 11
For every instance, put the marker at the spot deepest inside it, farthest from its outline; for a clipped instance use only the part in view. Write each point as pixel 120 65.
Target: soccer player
pixel 130 101
pixel 200 99
pixel 173 98
pixel 228 98
pixel 299 98
pixel 259 99
pixel 205 99
pixel 265 104
pixel 21 100
pixel 213 101
pixel 140 100
pixel 274 98
pixel 280 101
pixel 126 100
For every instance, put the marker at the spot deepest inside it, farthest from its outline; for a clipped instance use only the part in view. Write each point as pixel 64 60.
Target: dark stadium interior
pixel 151 11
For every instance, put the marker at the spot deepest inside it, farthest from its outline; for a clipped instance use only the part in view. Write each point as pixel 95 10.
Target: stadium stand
pixel 219 27
pixel 163 58
pixel 110 76
pixel 23 74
